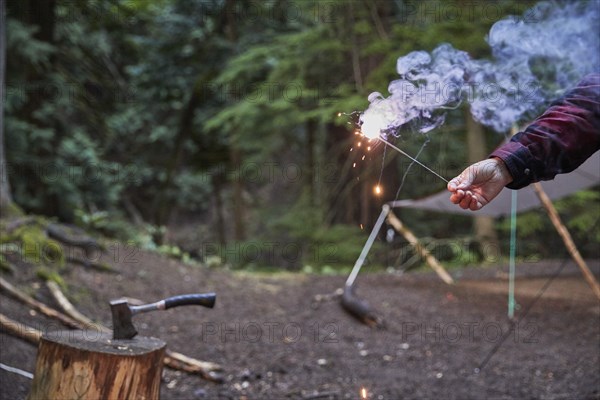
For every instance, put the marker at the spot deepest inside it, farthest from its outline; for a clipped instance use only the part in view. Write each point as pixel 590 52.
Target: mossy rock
pixel 36 247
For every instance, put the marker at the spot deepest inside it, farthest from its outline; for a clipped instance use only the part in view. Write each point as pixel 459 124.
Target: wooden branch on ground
pixel 321 298
pixel 209 371
pixel 20 330
pixel 566 237
pixel 39 306
pixel 69 309
pixel 412 239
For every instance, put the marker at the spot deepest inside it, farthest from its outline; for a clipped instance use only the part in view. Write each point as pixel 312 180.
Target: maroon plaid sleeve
pixel 559 140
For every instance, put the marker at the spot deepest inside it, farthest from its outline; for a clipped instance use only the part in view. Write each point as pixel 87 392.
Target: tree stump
pixel 91 365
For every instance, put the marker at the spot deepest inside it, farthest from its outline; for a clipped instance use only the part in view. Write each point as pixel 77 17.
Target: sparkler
pixel 412 158
pixel 371 129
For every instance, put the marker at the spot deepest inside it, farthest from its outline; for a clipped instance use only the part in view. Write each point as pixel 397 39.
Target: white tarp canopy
pixel 587 175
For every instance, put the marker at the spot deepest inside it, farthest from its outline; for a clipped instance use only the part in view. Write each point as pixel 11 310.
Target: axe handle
pixel 206 300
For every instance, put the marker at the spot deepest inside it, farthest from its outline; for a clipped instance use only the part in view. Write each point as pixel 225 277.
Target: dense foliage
pixel 218 122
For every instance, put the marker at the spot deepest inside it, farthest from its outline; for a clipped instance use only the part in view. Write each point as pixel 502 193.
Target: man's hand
pixel 479 184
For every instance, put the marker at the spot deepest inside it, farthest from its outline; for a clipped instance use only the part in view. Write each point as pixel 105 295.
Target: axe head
pixel 121 318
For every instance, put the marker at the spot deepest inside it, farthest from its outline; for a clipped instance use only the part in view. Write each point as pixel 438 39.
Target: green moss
pixel 33 245
pixel 5 266
pixel 11 210
pixel 38 248
pixel 48 274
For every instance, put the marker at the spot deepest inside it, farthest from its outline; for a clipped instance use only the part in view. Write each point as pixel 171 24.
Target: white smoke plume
pixel 536 57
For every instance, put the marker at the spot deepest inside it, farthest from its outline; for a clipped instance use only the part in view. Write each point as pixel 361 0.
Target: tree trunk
pixel 5 195
pixel 235 153
pixel 185 128
pixel 485 234
pixel 217 184
pixel 91 365
pixel 311 127
pixel 341 182
pixel 239 225
pixel 41 15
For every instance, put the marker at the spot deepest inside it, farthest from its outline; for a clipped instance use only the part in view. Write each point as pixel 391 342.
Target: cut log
pixel 88 364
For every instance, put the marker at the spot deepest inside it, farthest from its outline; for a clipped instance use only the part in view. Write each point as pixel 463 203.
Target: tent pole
pixel 567 239
pixel 385 209
pixel 513 253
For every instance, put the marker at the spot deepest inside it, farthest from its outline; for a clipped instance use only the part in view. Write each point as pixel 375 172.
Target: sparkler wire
pixel 382 167
pixel 412 158
pixel 408 169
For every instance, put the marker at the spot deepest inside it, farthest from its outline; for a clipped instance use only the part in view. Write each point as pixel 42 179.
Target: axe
pixel 122 312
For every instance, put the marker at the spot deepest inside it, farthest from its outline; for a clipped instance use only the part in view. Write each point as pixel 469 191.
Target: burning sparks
pixel 363 393
pixel 372 124
pixel 372 127
pixel 384 141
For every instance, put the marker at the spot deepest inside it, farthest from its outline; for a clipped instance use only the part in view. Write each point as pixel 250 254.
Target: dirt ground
pixel 275 341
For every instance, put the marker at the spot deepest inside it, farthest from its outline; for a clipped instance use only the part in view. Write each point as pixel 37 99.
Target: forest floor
pixel 275 341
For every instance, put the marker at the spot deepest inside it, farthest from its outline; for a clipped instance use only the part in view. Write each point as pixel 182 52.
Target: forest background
pixel 211 130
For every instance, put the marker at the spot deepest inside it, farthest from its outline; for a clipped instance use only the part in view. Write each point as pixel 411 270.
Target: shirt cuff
pixel 518 160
